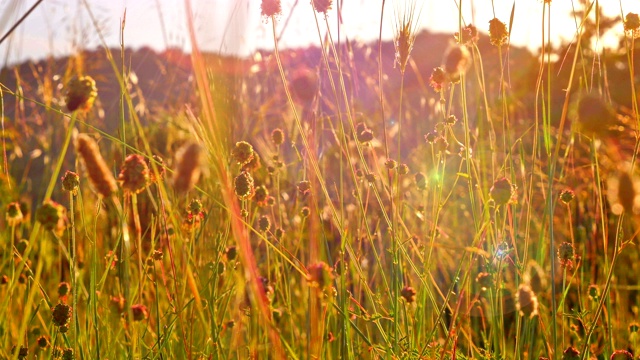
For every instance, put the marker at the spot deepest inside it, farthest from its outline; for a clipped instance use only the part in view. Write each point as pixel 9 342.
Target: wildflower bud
pixel 231 253
pixel 277 136
pixel 134 175
pixel 97 170
pixel 61 314
pixel 195 207
pixel 81 93
pixel 497 32
pixel 51 215
pixel 403 169
pixel 441 144
pixel 390 164
pixel 365 136
pixel 319 275
pixel 260 196
pixel 244 188
pixel 271 8
pixel 634 327
pixel 159 163
pixel 322 6
pixel 188 168
pixel 566 254
pixel 526 301
pixel 23 351
pixel 431 137
pixel 437 79
pixel 456 62
pixel 304 187
pixel 469 35
pixel 571 353
pixel 67 354
pixel 567 195
pixel 242 153
pixel 408 294
pixel 43 342
pixel 502 192
pixel 451 120
pixel 71 182
pixel 621 355
pixel 370 177
pixel 140 312
pixel 279 233
pixel 305 212
pixel 631 22
pixel 64 288
pixel 271 201
pixel 14 214
pixel 264 224
pixel 157 255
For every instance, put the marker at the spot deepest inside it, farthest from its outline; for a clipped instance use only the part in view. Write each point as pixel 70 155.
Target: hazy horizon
pixel 59 28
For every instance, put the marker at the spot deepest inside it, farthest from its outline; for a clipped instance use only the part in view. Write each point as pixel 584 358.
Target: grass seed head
pixel 526 301
pixel 97 170
pixel 81 93
pixel 134 175
pixel 405 35
pixel 187 170
pixel 456 62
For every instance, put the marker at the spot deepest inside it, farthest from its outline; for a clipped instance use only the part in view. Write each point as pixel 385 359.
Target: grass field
pixel 347 201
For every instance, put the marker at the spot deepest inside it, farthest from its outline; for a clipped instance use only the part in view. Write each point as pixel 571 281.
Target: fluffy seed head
pixel 97 170
pixel 526 301
pixel 81 93
pixel 134 175
pixel 187 170
pixel 498 33
pixel 456 62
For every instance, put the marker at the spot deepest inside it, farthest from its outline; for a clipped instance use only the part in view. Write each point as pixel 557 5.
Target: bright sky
pixel 59 26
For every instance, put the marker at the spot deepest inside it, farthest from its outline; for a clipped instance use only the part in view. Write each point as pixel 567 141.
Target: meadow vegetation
pixel 346 201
